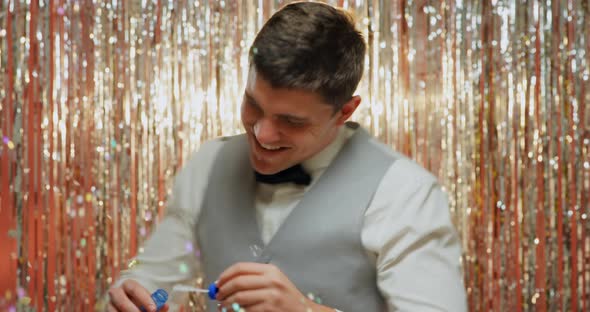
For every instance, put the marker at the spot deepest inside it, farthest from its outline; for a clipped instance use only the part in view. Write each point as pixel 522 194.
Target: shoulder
pixel 203 156
pixel 405 184
pixel 199 164
pixel 206 153
pixel 409 198
pixel 402 169
pixel 191 181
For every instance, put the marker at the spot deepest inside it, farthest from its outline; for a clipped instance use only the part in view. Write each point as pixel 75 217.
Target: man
pixel 305 211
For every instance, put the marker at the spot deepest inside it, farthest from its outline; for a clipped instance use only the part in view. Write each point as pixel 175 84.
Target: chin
pixel 266 172
pixel 266 168
pixel 261 167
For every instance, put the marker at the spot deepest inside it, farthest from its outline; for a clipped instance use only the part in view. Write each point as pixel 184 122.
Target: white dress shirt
pixel 407 231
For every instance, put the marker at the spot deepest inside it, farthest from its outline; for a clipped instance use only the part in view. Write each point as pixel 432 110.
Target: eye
pixel 294 122
pixel 253 105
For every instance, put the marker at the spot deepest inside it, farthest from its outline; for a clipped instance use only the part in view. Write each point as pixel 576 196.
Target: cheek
pixel 248 117
pixel 305 142
pixel 314 140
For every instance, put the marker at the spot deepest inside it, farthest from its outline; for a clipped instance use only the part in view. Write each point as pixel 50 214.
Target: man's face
pixel 286 126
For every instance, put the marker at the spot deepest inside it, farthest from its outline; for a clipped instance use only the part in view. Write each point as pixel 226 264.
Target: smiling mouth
pixel 268 148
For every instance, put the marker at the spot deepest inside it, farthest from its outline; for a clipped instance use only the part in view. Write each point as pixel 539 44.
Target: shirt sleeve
pixel 170 255
pixel 409 231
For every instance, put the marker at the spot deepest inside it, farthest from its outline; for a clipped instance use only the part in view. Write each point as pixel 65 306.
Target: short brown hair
pixel 311 46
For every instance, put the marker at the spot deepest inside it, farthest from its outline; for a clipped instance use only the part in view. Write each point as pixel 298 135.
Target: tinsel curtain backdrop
pixel 103 101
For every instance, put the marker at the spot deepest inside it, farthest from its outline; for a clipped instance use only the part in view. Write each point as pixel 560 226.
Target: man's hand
pixel 261 287
pixel 131 297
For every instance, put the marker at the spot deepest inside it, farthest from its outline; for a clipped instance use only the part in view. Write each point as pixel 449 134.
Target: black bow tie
pixel 295 174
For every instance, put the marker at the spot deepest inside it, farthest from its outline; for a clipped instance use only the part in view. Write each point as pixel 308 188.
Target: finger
pixel 164 308
pixel 260 307
pixel 140 296
pixel 246 298
pixel 111 308
pixel 242 283
pixel 120 301
pixel 241 269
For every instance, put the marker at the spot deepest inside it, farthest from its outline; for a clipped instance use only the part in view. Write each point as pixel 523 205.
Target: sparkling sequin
pixel 132 263
pixel 188 247
pixel 492 100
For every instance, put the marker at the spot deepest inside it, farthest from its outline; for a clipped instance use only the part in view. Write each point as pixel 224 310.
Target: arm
pixel 408 227
pixel 164 261
pixel 169 256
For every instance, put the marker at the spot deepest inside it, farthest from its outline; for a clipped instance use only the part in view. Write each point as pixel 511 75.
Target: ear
pixel 347 109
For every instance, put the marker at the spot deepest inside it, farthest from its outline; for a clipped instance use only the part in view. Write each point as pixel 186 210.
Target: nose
pixel 266 132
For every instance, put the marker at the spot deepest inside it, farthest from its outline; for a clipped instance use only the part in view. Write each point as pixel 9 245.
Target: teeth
pixel 268 147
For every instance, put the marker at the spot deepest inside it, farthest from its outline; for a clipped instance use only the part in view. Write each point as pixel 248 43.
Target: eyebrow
pixel 253 101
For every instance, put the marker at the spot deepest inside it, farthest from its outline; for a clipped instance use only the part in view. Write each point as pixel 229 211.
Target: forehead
pixel 263 94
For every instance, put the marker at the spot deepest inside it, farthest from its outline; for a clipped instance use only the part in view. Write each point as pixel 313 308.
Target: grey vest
pixel 319 244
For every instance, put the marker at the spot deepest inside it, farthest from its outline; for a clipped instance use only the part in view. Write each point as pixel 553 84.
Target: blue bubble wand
pixel 211 291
